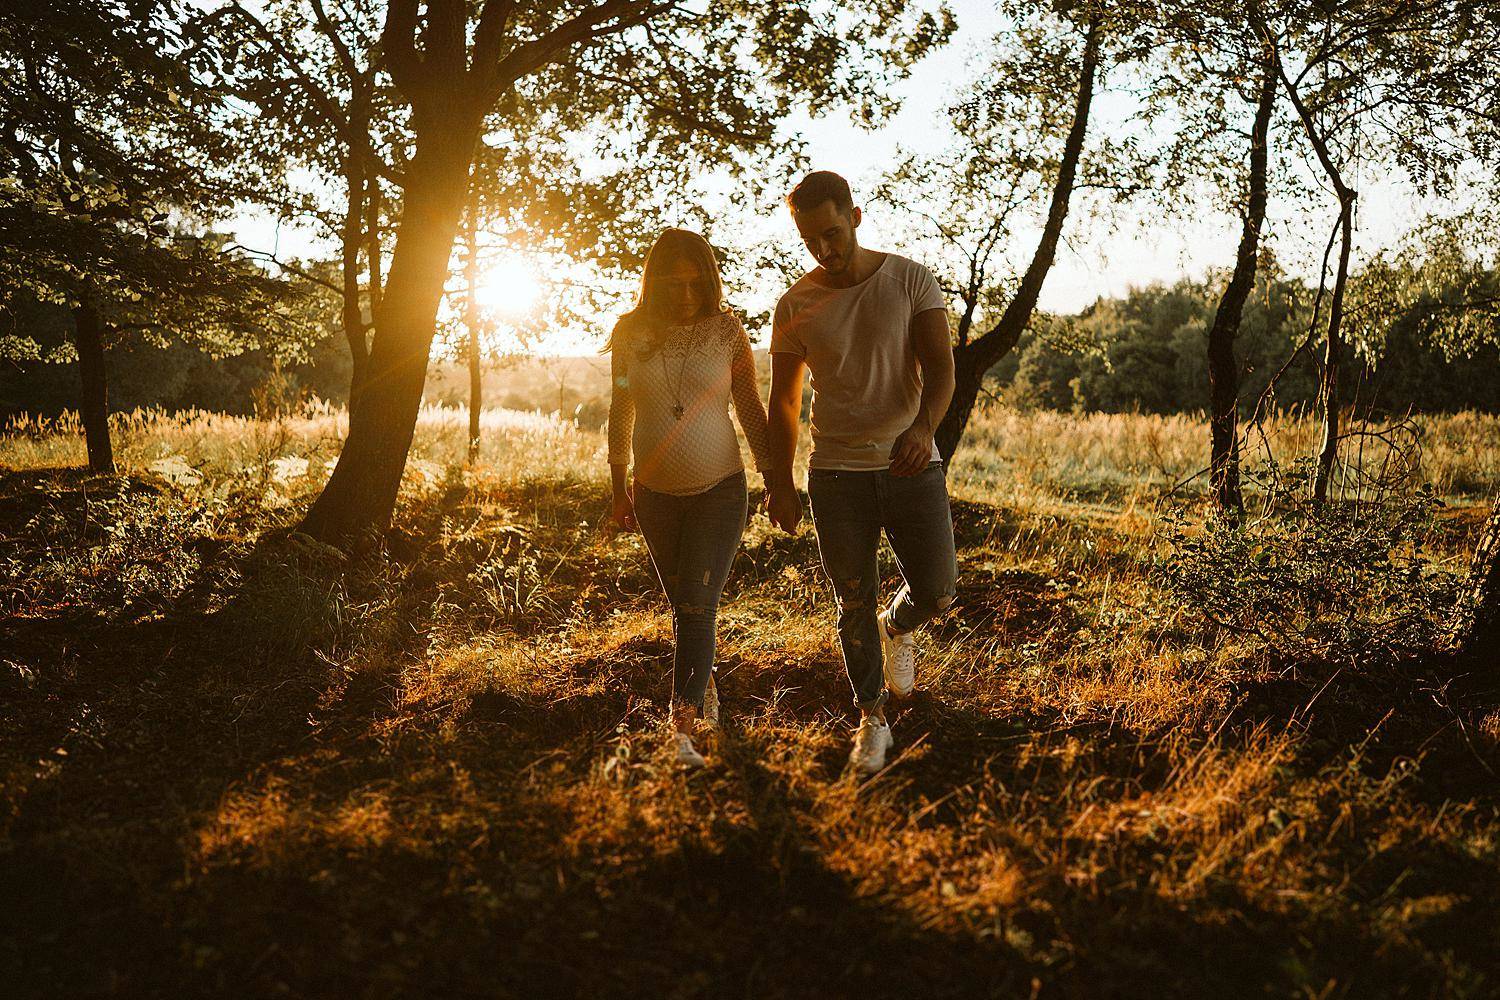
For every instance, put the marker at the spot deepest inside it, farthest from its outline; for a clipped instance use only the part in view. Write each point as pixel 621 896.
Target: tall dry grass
pixel 1007 455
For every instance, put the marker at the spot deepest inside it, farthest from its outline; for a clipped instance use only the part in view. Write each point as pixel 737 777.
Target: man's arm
pixel 934 349
pixel 783 424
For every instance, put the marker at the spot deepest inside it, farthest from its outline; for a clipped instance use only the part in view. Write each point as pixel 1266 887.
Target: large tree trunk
pixel 973 359
pixel 361 495
pixel 968 377
pixel 1223 368
pixel 1479 620
pixel 93 402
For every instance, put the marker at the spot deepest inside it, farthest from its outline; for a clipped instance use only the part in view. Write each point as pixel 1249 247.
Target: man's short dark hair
pixel 818 187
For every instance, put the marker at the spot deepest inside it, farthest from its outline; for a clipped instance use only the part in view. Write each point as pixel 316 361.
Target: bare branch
pixel 346 58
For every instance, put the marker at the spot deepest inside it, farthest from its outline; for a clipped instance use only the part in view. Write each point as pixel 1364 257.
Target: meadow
pixel 1148 756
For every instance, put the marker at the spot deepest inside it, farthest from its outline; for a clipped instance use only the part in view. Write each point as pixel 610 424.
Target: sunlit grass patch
pixel 462 738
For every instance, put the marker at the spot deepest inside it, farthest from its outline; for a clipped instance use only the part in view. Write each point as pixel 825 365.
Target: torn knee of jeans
pixel 693 610
pixel 852 604
pixel 850 594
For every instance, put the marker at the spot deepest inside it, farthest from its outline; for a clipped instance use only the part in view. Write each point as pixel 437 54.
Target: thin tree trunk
pixel 471 317
pixel 1223 368
pixel 93 401
pixel 972 360
pixel 1333 349
pixel 88 338
pixel 1479 621
pixel 361 495
pixel 1333 356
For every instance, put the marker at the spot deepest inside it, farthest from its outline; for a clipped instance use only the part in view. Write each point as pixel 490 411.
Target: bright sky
pixel 1090 264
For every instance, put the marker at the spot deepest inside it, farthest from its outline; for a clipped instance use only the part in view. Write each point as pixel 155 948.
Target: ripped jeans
pixel 693 541
pixel 849 511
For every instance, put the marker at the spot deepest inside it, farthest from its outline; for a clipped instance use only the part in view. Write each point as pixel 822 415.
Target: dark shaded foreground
pixel 292 776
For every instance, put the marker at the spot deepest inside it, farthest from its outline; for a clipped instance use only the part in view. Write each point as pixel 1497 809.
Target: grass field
pixel 237 763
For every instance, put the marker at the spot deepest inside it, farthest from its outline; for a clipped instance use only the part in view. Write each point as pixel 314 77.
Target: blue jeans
pixel 850 509
pixel 693 541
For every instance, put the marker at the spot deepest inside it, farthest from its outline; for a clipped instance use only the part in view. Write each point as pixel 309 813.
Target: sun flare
pixel 509 287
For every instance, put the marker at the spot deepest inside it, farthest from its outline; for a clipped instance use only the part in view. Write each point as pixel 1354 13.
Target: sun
pixel 508 287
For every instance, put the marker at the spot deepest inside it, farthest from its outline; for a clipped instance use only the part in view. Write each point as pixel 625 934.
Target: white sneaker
pixel 871 741
pixel 898 654
pixel 687 756
pixel 711 703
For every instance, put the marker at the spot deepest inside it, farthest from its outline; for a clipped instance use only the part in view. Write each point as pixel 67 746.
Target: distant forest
pixel 1141 352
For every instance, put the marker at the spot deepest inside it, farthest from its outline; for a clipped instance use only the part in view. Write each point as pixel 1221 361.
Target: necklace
pixel 677 407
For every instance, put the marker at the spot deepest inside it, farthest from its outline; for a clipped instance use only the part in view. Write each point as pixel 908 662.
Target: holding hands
pixel 783 505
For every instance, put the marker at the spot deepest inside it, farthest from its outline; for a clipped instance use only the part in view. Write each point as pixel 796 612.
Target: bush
pixel 1340 579
pixel 135 551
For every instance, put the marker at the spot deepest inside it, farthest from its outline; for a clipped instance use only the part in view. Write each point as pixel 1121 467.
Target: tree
pixel 1417 74
pixel 1444 280
pixel 1021 134
pixel 656 79
pixel 112 175
pixel 473 323
pixel 1214 52
pixel 311 78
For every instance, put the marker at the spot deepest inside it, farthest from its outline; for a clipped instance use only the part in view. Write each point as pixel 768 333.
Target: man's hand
pixel 783 505
pixel 912 450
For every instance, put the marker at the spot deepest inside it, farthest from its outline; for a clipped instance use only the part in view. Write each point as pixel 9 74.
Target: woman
pixel 678 359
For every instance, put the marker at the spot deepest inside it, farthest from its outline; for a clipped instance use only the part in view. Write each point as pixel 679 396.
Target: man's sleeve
pixel 784 336
pixel 925 292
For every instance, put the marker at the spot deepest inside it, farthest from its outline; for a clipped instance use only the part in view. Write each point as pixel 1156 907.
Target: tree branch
pixel 592 24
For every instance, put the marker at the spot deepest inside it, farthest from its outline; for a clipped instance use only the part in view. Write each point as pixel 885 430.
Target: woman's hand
pixel 623 513
pixel 784 506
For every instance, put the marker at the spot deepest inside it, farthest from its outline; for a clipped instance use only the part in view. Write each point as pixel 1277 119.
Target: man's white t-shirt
pixel 867 386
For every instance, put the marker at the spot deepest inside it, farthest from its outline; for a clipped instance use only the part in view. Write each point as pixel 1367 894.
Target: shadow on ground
pixel 227 796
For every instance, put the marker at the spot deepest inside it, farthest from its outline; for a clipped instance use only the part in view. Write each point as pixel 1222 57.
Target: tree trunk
pixel 471 318
pixel 1334 350
pixel 1333 356
pixel 93 402
pixel 1479 621
pixel 353 237
pixel 972 360
pixel 1223 368
pixel 361 495
pixel 967 378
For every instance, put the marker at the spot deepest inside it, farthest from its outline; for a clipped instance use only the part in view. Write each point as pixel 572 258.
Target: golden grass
pixel 1007 454
pixel 444 768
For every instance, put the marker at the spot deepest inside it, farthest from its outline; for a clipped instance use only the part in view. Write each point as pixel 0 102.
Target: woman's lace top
pixel 669 406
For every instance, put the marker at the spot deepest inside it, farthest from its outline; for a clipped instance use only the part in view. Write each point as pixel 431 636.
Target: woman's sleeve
pixel 744 388
pixel 621 408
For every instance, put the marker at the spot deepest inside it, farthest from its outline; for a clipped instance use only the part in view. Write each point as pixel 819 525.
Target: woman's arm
pixel 744 389
pixel 785 507
pixel 621 425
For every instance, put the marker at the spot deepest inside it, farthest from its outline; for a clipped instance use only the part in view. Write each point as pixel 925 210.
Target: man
pixel 873 330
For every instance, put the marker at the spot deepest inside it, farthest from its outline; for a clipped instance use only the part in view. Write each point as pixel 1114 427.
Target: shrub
pixel 1339 579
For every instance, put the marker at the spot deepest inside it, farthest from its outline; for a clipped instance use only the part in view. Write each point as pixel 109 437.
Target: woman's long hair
pixel 642 326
